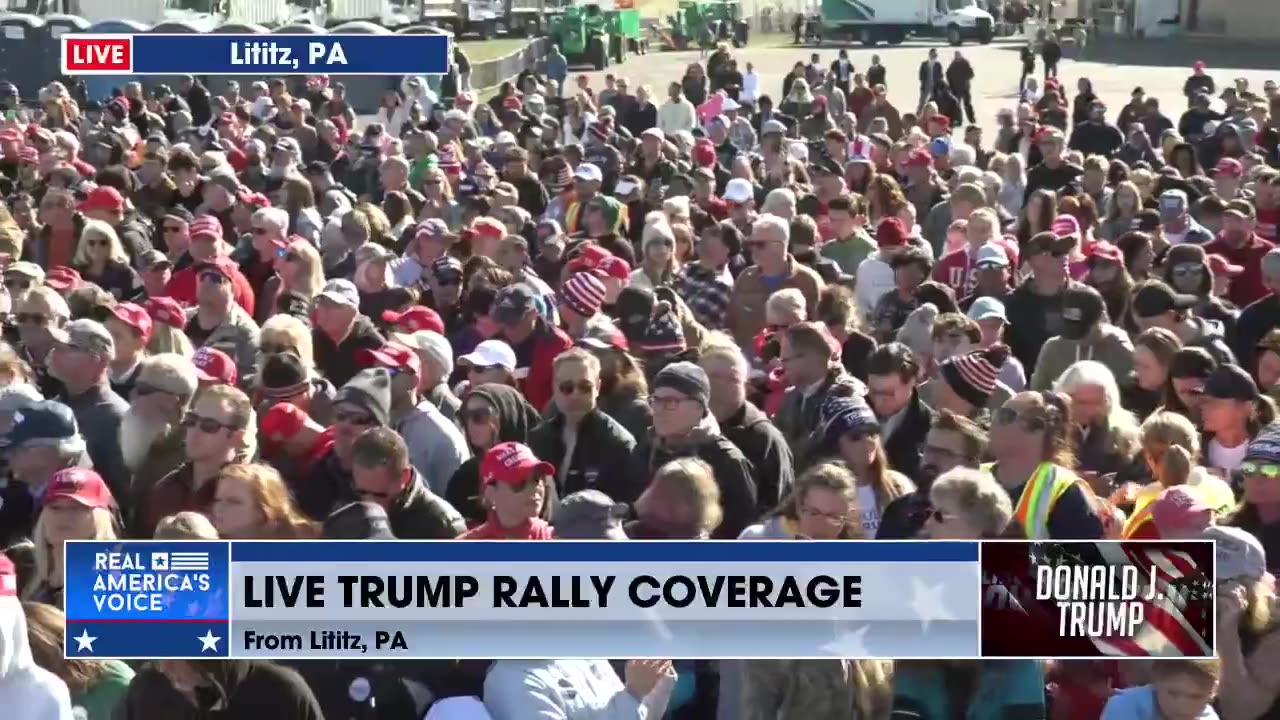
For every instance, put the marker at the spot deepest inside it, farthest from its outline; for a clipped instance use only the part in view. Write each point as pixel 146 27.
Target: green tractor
pixel 582 34
pixel 703 23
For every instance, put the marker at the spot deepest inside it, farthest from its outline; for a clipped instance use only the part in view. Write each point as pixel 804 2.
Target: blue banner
pixel 259 55
pixel 147 599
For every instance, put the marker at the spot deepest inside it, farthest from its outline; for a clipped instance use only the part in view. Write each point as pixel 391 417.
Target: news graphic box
pixel 147 599
pixel 260 55
pixel 661 599
pixel 1139 598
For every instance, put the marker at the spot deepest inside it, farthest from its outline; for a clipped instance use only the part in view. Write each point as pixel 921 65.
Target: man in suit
pixel 930 75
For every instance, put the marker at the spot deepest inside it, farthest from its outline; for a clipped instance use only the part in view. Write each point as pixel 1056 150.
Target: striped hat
pixel 583 293
pixel 973 375
pixel 206 226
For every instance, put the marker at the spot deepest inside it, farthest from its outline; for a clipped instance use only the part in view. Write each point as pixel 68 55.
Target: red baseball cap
pixel 414 319
pixel 589 258
pixel 214 366
pixel 1106 251
pixel 166 310
pixel 1230 167
pixel 488 227
pixel 136 317
pixel 942 120
pixel 919 158
pixel 704 154
pixel 1222 266
pixel 512 102
pixel 615 267
pixel 281 422
pixel 221 263
pixel 391 355
pixel 103 197
pixel 512 463
pixel 63 278
pixel 80 484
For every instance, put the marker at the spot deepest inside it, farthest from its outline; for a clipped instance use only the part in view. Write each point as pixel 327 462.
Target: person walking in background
pixel 930 75
pixel 960 77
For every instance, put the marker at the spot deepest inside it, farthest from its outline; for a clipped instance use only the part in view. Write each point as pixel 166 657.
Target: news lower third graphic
pixel 457 599
pixel 261 55
pixel 1098 599
pixel 147 599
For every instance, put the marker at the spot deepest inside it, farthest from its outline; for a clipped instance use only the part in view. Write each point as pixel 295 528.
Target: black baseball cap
pixel 1230 382
pixel 1147 221
pixel 1157 298
pixel 512 302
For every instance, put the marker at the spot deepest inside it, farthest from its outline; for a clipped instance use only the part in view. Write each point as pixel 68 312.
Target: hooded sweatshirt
pixel 1113 349
pixel 27 691
pixel 516 417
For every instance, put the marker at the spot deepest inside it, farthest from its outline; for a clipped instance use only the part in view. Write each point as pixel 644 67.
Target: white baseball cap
pixel 588 172
pixel 991 254
pixel 491 353
pixel 739 190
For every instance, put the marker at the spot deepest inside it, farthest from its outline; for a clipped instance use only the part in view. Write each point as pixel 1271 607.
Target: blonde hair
pixel 46 634
pixel 577 356
pixel 281 517
pixel 185 526
pixel 827 476
pixel 312 279
pixel 717 345
pixel 293 332
pixel 168 339
pixel 977 497
pixel 695 483
pixel 98 229
pixel 104 528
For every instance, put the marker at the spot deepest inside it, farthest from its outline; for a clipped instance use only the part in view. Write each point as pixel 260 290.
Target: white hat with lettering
pixel 459 708
pixel 1238 553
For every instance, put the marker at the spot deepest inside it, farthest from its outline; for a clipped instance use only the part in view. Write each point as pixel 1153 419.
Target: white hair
pixel 778 202
pixel 962 154
pixel 172 373
pixel 277 218
pixel 676 208
pixel 1122 424
pixel 769 221
pixel 787 301
pixel 68 142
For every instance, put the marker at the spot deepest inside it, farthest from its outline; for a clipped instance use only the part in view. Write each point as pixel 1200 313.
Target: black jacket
pixel 766 449
pixel 239 689
pixel 337 362
pixel 516 418
pixel 1256 320
pixel 602 444
pixel 903 445
pixel 960 75
pixel 419 514
pixel 904 517
pixel 730 467
pixel 938 76
pixel 1096 138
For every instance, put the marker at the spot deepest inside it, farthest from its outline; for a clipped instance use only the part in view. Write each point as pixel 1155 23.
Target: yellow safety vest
pixel 571 215
pixel 1136 520
pixel 1040 494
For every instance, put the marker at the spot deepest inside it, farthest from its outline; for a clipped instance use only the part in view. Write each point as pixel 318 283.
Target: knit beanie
pixel 369 390
pixel 840 415
pixel 687 379
pixel 583 293
pixel 663 333
pixel 283 375
pixel 892 232
pixel 973 375
pixel 1266 446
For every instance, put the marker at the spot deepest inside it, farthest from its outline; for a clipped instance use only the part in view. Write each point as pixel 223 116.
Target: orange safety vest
pixel 1040 494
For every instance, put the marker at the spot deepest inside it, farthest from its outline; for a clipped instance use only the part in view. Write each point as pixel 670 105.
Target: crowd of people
pixel 586 312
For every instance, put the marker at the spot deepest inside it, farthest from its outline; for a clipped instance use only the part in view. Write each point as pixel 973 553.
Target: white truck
pixel 893 21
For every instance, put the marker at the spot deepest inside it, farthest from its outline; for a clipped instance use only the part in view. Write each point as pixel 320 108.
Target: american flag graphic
pixel 1176 622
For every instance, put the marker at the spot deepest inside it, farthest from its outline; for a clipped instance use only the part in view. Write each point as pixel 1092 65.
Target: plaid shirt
pixel 706 293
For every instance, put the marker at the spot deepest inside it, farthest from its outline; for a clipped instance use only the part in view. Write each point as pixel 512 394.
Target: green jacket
pixel 850 252
pixel 100 701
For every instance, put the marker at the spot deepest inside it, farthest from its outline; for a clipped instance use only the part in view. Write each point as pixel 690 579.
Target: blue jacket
pixel 1007 690
pixel 1139 703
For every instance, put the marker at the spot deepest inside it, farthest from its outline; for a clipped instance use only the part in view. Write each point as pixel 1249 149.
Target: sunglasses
pixel 1267 470
pixel 212 276
pixel 665 403
pixel 353 418
pixel 206 424
pixel 143 390
pixel 1009 416
pixel 98 243
pixel 582 386
pixel 1187 270
pixel 448 281
pixel 18 284
pixel 32 319
pixel 477 415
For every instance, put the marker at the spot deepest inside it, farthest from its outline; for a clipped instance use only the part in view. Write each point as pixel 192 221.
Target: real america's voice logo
pixel 130 582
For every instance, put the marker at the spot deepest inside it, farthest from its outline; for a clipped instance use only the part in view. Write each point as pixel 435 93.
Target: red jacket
pixel 182 287
pixel 535 529
pixel 534 374
pixel 1248 287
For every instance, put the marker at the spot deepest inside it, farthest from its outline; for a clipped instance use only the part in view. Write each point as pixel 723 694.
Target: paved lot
pixel 1159 67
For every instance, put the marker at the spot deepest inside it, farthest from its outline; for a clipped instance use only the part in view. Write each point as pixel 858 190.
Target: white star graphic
pixel 926 600
pixel 84 641
pixel 848 643
pixel 209 641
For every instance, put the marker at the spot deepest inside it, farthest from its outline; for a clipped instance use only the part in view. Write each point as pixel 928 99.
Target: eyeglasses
pixel 477 414
pixel 353 418
pixel 206 425
pixel 1187 270
pixel 212 276
pixel 32 319
pixel 1009 416
pixel 276 348
pixel 1266 470
pixel 835 518
pixel 941 452
pixel 584 387
pixel 667 403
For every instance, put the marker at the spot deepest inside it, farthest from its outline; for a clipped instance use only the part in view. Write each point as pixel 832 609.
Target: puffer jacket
pixel 601 441
pixel 797 416
pixel 421 514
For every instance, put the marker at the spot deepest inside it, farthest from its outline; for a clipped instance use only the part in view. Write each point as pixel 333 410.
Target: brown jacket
pixel 746 304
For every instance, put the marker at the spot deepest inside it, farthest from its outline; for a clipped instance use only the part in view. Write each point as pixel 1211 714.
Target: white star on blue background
pixel 84 641
pixel 209 641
